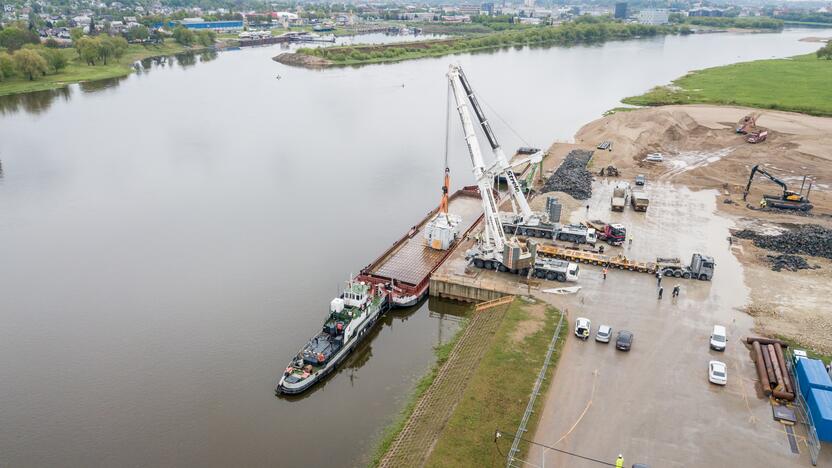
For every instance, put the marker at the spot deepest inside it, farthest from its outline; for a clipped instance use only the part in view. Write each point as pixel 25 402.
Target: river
pixel 170 239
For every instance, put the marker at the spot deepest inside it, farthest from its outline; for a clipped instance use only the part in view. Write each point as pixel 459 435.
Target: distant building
pixel 529 3
pixel 621 10
pixel 487 8
pixel 213 25
pixel 706 12
pixel 653 16
pixel 469 10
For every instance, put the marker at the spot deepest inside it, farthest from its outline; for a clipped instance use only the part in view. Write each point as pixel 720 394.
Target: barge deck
pixel 409 262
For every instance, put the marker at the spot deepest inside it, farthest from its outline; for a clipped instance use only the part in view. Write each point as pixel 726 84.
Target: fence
pixel 515 445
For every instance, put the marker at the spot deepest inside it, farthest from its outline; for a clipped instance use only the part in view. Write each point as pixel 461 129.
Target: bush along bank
pixel 566 34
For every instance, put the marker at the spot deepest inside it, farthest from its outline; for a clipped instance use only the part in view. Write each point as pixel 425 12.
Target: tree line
pixel 31 62
pixel 566 34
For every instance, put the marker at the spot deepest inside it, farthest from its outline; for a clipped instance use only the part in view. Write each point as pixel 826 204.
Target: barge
pixel 408 264
pixel 398 278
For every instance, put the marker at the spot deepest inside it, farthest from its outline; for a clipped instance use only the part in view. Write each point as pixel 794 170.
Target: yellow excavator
pixel 789 200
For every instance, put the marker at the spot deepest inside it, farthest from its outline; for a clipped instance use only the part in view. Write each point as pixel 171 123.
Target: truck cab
pixel 702 266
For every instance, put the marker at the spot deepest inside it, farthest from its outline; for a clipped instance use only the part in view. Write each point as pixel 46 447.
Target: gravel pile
pixel 806 239
pixel 789 262
pixel 572 177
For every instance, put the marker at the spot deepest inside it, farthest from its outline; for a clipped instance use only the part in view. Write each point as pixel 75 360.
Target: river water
pixel 170 239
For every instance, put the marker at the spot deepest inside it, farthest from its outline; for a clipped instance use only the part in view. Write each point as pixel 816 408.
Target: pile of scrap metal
pixel 609 171
pixel 771 367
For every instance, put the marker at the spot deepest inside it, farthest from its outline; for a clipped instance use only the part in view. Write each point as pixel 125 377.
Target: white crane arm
pixel 493 227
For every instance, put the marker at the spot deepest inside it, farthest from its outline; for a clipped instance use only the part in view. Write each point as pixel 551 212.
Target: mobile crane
pixel 494 250
pixel 789 200
pixel 523 220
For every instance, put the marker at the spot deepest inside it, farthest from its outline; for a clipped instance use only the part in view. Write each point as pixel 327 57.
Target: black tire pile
pixel 806 239
pixel 572 177
pixel 789 262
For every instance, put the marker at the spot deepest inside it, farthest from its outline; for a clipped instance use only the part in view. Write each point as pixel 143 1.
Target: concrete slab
pixel 655 404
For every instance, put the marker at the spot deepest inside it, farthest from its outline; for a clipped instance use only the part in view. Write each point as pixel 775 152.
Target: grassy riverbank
pixel 566 34
pixel 77 71
pixel 798 84
pixel 497 395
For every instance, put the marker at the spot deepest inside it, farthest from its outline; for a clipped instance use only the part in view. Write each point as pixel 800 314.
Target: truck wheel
pixel 502 268
pixel 488 265
pixel 521 231
pixel 561 277
pixel 686 275
pixel 540 274
pixel 677 274
pixel 551 276
pixel 524 272
pixel 667 272
pixel 479 263
pixel 703 277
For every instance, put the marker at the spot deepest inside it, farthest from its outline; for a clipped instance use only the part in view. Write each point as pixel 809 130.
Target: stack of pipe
pixel 771 367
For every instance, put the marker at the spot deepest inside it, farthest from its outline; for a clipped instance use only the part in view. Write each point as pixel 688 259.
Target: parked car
pixel 717 372
pixel 640 179
pixel 624 341
pixel 603 334
pixel 654 157
pixel 718 338
pixel 583 327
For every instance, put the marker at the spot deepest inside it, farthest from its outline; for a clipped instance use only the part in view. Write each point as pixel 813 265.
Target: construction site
pixel 696 239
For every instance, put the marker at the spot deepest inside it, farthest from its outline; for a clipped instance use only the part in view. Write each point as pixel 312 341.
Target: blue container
pixel 820 405
pixel 811 373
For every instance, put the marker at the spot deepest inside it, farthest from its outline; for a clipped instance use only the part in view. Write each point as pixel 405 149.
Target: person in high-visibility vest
pixel 619 462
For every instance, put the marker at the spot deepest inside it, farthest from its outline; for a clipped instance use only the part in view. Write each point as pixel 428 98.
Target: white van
pixel 719 338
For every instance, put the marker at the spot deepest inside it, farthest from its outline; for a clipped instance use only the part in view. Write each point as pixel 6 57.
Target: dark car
pixel 624 341
pixel 640 179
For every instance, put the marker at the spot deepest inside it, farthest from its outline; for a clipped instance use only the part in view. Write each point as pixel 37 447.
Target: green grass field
pixel 76 71
pixel 799 84
pixel 499 391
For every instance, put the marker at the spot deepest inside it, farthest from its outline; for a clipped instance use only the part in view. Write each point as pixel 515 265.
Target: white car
pixel 583 327
pixel 718 338
pixel 654 157
pixel 603 334
pixel 717 372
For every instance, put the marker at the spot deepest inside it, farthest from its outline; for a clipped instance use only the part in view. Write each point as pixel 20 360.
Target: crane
pixel 495 250
pixel 495 237
pixel 525 222
pixel 500 161
pixel 788 200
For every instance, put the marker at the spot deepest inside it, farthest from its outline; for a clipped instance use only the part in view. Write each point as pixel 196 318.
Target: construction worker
pixel 676 290
pixel 661 291
pixel 605 272
pixel 658 279
pixel 619 462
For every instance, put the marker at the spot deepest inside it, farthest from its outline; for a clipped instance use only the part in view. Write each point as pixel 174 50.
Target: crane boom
pixel 501 162
pixel 494 229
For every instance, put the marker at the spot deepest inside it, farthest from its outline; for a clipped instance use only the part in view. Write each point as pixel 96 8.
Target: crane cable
pixel 479 97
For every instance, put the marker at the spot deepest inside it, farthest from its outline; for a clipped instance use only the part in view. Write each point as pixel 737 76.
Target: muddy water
pixel 169 239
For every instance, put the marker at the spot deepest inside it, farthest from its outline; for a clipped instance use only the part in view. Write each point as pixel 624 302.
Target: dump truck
pixel 613 234
pixel 619 198
pixel 639 200
pixel 700 267
pixel 757 137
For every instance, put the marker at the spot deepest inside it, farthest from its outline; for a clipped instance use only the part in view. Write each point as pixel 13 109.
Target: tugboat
pixel 351 316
